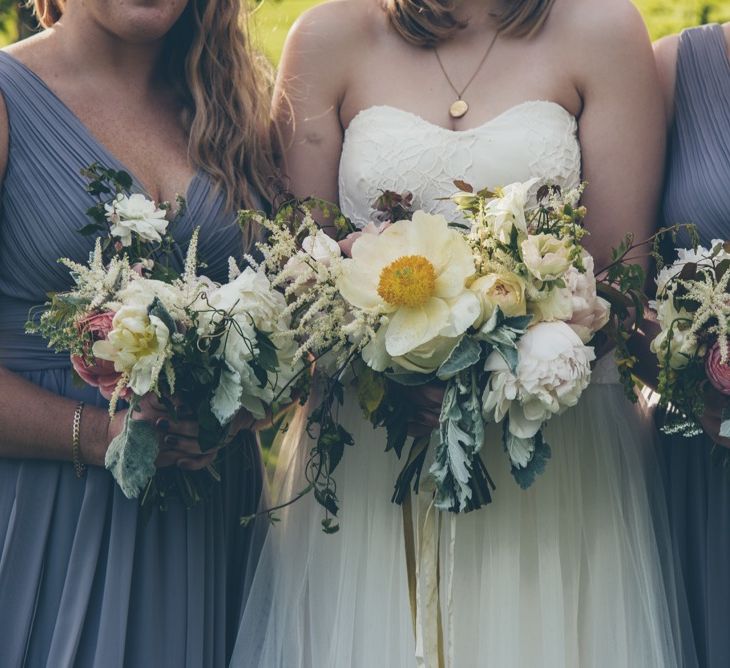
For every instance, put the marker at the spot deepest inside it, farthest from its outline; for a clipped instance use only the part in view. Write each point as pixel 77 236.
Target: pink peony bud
pixel 717 372
pixel 371 228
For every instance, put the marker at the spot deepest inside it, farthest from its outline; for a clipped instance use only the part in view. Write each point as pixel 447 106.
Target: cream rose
pixel 135 214
pixel 138 345
pixel 546 257
pixel 504 290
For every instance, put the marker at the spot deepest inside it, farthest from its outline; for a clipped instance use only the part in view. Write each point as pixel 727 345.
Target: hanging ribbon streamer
pixel 421 531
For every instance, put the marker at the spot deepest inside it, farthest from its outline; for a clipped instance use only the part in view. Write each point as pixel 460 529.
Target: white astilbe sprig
pixel 714 304
pixel 191 259
pixel 95 283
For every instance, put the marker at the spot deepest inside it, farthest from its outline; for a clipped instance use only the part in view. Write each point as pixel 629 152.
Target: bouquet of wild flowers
pixel 135 325
pixel 498 308
pixel 693 310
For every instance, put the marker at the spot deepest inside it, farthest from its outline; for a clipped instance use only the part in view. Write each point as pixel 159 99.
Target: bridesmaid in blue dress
pixel 168 91
pixel 695 70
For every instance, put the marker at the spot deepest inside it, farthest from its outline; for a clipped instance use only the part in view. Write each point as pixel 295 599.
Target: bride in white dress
pixel 575 571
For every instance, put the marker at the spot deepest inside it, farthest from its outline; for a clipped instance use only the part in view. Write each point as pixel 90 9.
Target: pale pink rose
pixel 98 373
pixel 371 228
pixel 717 372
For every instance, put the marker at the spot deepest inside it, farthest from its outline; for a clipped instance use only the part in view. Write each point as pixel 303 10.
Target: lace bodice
pixel 390 149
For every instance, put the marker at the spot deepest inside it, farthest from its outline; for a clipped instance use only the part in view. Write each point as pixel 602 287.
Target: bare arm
pixel 307 100
pixel 622 129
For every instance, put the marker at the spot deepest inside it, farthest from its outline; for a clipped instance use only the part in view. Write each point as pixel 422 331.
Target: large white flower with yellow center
pixel 415 273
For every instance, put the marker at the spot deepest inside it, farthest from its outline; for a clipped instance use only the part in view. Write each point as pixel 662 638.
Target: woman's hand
pixel 711 420
pixel 178 439
pixel 425 403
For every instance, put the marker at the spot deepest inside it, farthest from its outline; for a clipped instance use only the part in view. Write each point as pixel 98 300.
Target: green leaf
pixel 157 309
pixel 226 401
pixel 123 179
pixel 370 390
pixel 91 228
pixel 409 378
pixel 267 352
pixel 466 354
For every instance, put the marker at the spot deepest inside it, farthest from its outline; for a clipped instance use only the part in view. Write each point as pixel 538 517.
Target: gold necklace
pixel 460 106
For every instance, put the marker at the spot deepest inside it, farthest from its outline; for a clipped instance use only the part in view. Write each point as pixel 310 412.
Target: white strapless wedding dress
pixel 575 572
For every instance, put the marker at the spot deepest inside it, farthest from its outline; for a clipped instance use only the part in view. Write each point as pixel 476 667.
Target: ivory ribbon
pixel 422 531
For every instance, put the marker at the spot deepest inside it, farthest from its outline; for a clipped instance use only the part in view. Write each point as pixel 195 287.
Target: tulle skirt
pixel 576 571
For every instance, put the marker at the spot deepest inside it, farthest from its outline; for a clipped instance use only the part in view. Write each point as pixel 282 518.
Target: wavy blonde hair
pixel 428 22
pixel 225 90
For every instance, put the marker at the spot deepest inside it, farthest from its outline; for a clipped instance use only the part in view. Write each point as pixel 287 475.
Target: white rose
pixel 505 290
pixel 136 214
pixel 682 346
pixel 546 257
pixel 554 367
pixel 322 248
pixel 138 345
pixel 143 291
pixel 557 304
pixel 590 312
pixel 507 211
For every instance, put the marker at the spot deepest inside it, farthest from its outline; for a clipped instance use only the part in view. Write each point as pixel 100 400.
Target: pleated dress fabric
pixel 698 191
pixel 83 580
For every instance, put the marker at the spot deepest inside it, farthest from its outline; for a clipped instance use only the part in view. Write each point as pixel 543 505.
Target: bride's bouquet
pixel 497 307
pixel 135 326
pixel 693 310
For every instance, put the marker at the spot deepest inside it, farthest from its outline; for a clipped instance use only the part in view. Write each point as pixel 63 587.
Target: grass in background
pixel 273 18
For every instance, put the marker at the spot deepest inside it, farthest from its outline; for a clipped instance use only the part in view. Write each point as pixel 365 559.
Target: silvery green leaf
pixel 465 355
pixel 510 356
pixel 494 321
pixel 131 456
pixel 518 323
pixel 226 401
pixel 526 475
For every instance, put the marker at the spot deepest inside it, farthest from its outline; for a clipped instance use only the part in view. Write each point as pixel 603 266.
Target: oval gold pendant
pixel 458 109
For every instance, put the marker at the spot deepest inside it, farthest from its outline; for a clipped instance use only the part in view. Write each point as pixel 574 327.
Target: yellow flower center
pixel 409 281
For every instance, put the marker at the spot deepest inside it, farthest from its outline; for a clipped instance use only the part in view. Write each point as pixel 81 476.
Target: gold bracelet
pixel 79 465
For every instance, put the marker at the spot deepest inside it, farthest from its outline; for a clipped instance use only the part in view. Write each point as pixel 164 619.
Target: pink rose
pixel 717 372
pixel 98 373
pixel 371 228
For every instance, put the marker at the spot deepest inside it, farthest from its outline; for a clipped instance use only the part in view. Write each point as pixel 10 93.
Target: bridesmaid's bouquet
pixel 134 326
pixel 693 309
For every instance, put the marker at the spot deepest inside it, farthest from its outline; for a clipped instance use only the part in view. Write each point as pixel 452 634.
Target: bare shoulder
pixel 598 24
pixel 31 51
pixel 337 27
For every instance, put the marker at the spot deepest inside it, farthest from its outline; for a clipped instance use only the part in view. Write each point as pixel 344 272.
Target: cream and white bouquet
pixel 693 310
pixel 498 307
pixel 134 324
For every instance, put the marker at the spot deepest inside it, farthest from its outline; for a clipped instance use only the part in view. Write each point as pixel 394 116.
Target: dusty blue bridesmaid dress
pixel 82 581
pixel 698 191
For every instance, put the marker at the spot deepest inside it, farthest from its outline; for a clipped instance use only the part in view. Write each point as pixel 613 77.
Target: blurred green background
pixel 272 18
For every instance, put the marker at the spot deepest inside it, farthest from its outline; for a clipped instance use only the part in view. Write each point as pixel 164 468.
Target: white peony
pixel 416 274
pixel 143 291
pixel 546 256
pixel 136 214
pixel 554 367
pixel 507 211
pixel 506 290
pixel 590 312
pixel 138 345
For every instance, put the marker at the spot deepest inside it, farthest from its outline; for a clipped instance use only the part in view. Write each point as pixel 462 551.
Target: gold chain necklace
pixel 460 106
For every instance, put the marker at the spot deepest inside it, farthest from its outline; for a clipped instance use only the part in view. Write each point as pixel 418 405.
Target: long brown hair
pixel 225 88
pixel 428 22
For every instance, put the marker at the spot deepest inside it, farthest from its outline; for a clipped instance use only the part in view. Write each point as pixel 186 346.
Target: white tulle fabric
pixel 575 572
